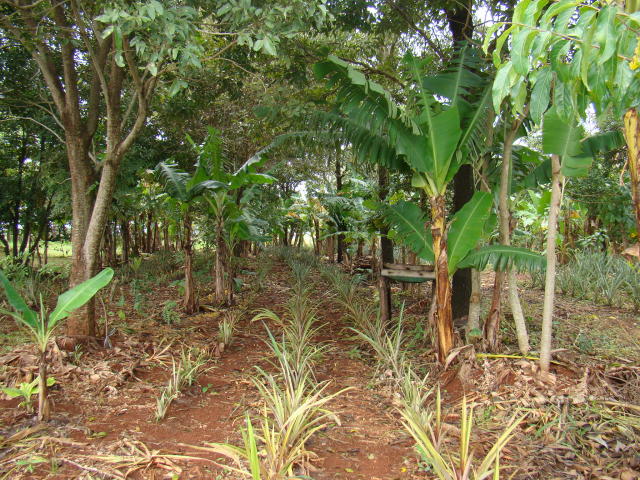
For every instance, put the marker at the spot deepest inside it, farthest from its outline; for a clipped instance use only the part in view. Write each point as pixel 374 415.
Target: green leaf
pixel 560 137
pixel 26 315
pixel 79 295
pixel 11 392
pixel 503 257
pixel 467 227
pixel 409 221
pixel 540 95
pixel 502 84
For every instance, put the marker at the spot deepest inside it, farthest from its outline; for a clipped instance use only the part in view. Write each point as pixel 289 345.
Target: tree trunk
pixel 46 243
pixel 443 313
pixel 5 244
pixel 386 250
pixel 504 213
pixel 492 323
pixel 82 321
pixel 516 311
pixel 43 401
pixel 316 228
pixel 124 229
pixel 190 303
pixel 473 322
pixel 330 249
pixel 632 137
pixel 463 191
pixel 220 253
pixel 340 249
pixel 550 278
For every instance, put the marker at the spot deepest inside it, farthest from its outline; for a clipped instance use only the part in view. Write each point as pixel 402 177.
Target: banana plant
pixel 225 202
pixel 41 325
pixel 184 190
pixel 438 130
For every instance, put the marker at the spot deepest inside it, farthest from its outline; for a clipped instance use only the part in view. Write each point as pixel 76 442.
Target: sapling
pixel 42 324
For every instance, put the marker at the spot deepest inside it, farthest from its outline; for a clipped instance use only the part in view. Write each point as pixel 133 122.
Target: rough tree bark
pixel 443 317
pixel 632 137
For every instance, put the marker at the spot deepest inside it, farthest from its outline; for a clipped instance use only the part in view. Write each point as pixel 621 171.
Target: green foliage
pixel 160 32
pixel 41 325
pixel 26 390
pixel 169 314
pixel 600 277
pixel 183 375
pixel 227 327
pixel 429 437
pixel 588 51
pixel 467 227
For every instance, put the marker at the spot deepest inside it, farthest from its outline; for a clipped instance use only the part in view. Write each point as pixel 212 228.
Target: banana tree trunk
pixel 492 324
pixel 550 279
pixel 443 317
pixel 43 401
pixel 632 137
pixel 190 301
pixel 220 253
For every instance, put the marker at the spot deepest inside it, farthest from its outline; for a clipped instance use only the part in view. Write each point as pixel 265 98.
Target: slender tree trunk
pixel 386 250
pixel 165 235
pixel 316 229
pixel 339 175
pixel 5 244
pixel 443 314
pixel 46 242
pixel 126 240
pixel 504 213
pixel 492 323
pixel 43 401
pixel 632 137
pixel 190 301
pixel 550 279
pixel 518 315
pixel 220 254
pixel 473 322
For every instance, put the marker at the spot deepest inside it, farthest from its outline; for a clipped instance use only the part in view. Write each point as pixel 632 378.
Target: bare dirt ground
pixel 584 425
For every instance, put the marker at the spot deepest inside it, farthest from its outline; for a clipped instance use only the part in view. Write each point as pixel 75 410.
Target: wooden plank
pixel 388 272
pixel 411 268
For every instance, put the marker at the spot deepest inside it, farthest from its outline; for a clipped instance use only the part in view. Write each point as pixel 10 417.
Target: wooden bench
pixel 408 273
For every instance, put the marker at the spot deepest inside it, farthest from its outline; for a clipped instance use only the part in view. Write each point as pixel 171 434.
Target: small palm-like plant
pixel 184 190
pixel 41 325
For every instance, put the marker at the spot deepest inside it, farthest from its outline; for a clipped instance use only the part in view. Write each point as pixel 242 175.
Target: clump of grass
pixel 600 277
pixel 227 327
pixel 388 346
pixel 169 314
pixel 426 429
pixel 183 375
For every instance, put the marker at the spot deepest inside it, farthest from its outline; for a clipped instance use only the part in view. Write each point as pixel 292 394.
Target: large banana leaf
pixel 175 180
pixel 467 227
pixel 25 314
pixel 79 295
pixel 503 257
pixel 411 224
pixel 563 138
